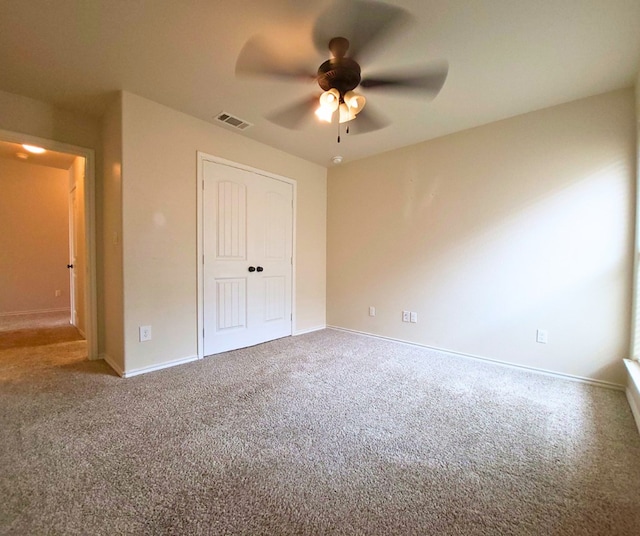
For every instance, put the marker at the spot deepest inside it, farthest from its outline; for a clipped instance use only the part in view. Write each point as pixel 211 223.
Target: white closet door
pixel 248 234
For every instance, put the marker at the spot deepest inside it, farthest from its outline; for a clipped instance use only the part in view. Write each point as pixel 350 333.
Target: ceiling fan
pixel 350 29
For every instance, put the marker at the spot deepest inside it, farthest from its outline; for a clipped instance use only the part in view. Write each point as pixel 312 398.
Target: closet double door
pixel 248 238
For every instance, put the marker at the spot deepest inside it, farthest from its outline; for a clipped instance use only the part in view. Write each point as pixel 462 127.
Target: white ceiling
pixel 506 57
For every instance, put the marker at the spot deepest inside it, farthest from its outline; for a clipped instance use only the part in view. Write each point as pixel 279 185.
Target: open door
pixel 73 280
pixel 77 252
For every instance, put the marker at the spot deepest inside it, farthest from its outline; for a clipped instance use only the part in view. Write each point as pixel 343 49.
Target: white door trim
pixel 202 157
pixel 90 305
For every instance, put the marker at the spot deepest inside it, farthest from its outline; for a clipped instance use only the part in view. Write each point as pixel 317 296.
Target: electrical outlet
pixel 145 333
pixel 542 336
pixel 406 316
pixel 372 311
pixel 58 293
pixel 414 317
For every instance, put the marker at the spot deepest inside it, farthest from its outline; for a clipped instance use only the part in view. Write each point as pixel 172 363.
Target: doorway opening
pixel 48 269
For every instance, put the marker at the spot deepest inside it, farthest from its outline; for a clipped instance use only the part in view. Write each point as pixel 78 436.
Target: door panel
pixel 275 296
pixel 248 234
pixel 231 295
pixel 232 220
pixel 276 231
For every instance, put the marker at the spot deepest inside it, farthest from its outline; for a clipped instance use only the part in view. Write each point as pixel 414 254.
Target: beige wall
pixel 111 299
pixel 491 233
pixel 159 226
pixel 36 118
pixel 77 182
pixel 34 242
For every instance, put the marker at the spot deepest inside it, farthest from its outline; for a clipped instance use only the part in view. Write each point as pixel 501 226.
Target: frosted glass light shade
pixel 346 114
pixel 354 101
pixel 330 99
pixel 324 114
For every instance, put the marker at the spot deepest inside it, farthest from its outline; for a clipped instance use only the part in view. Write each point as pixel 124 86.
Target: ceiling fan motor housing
pixel 340 73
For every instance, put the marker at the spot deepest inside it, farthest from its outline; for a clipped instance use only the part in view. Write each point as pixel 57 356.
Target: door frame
pixel 202 157
pixel 90 295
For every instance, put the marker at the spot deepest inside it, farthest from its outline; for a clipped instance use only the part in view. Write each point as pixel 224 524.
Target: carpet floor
pixel 36 330
pixel 324 433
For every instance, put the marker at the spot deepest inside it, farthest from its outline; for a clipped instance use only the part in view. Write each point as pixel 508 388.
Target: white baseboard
pixel 581 379
pixel 153 368
pixel 310 330
pixel 144 370
pixel 37 312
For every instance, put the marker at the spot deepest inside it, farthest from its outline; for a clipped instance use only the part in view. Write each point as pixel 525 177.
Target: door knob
pixel 260 269
pixel 69 265
pixel 252 269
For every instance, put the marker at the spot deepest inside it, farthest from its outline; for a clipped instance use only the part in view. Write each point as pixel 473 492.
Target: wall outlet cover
pixel 145 333
pixel 542 336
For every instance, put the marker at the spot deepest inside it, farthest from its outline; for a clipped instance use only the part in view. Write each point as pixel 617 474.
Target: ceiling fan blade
pixel 295 115
pixel 428 82
pixel 367 120
pixel 364 23
pixel 258 58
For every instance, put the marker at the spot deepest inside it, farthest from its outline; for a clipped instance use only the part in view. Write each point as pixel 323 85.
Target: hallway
pixel 36 342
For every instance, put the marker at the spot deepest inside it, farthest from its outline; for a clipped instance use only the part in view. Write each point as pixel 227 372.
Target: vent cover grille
pixel 232 121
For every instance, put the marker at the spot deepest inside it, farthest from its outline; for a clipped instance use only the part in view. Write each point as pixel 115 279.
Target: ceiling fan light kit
pixel 347 107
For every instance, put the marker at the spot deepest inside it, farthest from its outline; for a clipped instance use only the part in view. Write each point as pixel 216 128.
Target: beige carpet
pixel 326 433
pixel 40 329
pixel 38 341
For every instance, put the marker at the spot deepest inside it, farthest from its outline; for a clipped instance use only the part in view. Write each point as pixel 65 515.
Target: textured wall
pixel 111 299
pixel 492 233
pixel 34 242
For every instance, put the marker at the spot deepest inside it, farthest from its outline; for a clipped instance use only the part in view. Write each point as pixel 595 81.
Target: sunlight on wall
pixel 493 233
pixel 552 248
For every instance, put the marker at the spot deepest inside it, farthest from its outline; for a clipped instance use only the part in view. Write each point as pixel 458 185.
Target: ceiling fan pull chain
pixel 338 131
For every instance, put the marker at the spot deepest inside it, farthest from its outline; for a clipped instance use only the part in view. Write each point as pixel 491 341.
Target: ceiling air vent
pixel 233 121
